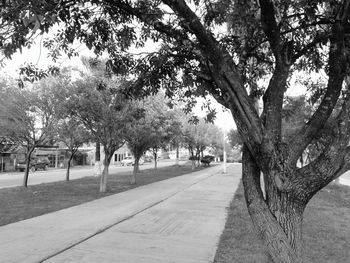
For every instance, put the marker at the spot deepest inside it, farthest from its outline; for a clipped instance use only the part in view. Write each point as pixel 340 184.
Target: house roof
pixel 12 148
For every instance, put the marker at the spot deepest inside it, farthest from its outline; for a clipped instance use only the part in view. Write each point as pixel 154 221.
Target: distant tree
pixel 177 139
pixel 68 129
pixel 166 125
pixel 197 137
pixel 95 68
pixel 234 139
pixel 140 137
pixel 73 134
pixel 152 130
pixel 27 118
pixel 101 106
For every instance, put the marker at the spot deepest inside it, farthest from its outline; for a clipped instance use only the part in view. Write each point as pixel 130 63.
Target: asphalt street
pixel 13 179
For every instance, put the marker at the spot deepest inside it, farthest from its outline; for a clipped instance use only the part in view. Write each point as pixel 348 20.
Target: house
pixel 11 154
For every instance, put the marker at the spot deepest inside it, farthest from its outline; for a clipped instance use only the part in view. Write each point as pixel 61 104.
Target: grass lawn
pixel 326 230
pixel 18 203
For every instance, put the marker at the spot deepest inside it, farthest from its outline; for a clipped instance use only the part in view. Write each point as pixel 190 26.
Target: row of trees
pixel 94 108
pixel 224 48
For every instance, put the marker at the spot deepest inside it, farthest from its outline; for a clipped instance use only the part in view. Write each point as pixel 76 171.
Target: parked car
pixel 35 164
pixel 129 160
pixel 206 160
pixel 147 159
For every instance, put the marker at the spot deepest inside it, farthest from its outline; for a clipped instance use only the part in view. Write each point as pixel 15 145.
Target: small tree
pixel 27 118
pixel 197 137
pixel 166 127
pixel 73 134
pixel 153 129
pixel 104 111
pixel 139 139
pixel 234 139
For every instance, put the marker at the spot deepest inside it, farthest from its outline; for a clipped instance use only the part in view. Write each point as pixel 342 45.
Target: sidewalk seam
pixel 124 219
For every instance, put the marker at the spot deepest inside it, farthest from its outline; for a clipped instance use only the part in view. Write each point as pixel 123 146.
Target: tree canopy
pixel 223 48
pixel 27 117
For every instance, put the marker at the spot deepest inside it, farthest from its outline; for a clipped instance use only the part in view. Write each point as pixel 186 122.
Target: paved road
pixel 54 175
pixel 178 220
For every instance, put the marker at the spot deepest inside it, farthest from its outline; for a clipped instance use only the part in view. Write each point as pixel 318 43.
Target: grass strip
pixel 326 230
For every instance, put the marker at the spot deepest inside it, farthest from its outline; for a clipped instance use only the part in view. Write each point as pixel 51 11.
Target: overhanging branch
pixel 338 64
pixel 224 74
pixel 332 162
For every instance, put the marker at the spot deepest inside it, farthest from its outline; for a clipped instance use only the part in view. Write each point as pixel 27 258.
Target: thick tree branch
pixel 149 19
pixel 221 65
pixel 273 102
pixel 273 97
pixel 270 27
pixel 332 162
pixel 224 74
pixel 338 64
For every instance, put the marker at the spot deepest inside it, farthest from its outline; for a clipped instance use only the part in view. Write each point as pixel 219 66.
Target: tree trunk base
pixel 132 180
pixel 98 169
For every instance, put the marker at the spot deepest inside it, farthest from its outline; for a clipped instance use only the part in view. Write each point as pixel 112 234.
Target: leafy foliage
pixel 234 139
pixel 201 136
pixel 154 129
pixel 223 48
pixel 26 118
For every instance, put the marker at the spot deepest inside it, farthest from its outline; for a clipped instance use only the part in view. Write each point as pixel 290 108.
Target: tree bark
pixel 105 173
pixel 104 178
pixel 193 165
pixel 98 166
pixel 68 166
pixel 135 170
pixel 155 160
pixel 177 156
pixel 198 154
pixel 280 227
pixel 26 171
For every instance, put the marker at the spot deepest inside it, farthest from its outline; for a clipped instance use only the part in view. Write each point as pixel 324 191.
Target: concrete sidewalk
pixel 176 220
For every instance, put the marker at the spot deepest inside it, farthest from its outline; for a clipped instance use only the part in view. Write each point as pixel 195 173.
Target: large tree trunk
pixel 278 219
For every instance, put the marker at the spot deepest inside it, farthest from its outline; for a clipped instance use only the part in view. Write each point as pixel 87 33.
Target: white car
pixel 129 160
